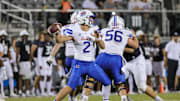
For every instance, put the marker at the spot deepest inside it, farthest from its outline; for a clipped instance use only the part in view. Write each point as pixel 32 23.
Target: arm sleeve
pixel 66 31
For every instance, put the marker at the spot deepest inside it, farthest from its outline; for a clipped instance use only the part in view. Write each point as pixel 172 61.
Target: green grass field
pixel 136 97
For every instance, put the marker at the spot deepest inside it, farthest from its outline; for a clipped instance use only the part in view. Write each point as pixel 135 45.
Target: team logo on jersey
pixel 77 66
pixel 85 38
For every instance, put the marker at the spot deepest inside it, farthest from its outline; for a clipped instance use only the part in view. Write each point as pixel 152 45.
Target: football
pixel 54 28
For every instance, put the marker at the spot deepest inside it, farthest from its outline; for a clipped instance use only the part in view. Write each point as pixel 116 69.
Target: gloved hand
pixel 50 60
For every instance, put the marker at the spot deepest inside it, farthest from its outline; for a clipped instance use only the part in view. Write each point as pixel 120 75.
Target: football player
pixel 69 49
pixel 83 63
pixel 23 48
pixel 147 52
pixel 6 60
pixel 136 65
pixel 115 41
pixel 3 75
pixel 44 52
pixel 33 58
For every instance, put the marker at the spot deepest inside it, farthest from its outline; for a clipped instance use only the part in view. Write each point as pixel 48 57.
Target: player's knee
pixel 48 78
pixel 106 82
pixel 90 83
pixel 142 86
pixel 41 78
pixel 11 77
pixel 121 86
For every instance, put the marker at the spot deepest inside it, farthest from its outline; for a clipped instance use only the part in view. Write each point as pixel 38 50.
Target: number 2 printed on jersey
pixel 87 45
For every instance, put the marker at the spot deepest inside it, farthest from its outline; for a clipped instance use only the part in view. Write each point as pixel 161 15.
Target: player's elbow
pixel 102 46
pixel 1 54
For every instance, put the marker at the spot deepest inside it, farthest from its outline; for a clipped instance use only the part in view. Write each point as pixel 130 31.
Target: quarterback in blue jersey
pixel 84 40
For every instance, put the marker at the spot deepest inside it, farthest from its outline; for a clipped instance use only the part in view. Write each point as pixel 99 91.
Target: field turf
pixel 135 97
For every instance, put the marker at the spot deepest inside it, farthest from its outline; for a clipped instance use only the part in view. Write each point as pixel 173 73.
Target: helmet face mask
pixel 24 37
pixel 3 37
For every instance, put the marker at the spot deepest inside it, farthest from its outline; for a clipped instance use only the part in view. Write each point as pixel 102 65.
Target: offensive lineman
pixel 84 41
pixel 115 42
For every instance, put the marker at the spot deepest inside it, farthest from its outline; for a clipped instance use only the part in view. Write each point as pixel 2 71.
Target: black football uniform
pixel 157 53
pixel 47 48
pixel 147 50
pixel 25 47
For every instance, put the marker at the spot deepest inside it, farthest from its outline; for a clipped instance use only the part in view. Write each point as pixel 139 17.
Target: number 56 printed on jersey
pixel 113 35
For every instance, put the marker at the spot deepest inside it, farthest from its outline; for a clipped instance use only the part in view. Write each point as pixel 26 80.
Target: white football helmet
pixel 3 32
pixel 24 32
pixel 116 22
pixel 139 33
pixel 74 17
pixel 84 17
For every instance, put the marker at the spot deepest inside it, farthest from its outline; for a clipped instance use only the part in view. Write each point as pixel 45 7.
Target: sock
pixel 158 98
pixel 2 88
pixel 131 85
pixel 33 90
pixel 11 84
pixel 73 98
pixel 20 91
pixel 84 98
pixel 27 92
pixel 37 91
pixel 106 92
pixel 49 84
pixel 166 87
pixel 42 86
pixel 123 98
pixel 69 98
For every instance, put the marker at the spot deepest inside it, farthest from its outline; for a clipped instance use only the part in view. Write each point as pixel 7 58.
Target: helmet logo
pixel 83 13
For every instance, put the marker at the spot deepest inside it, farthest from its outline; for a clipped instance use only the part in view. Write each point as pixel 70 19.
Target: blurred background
pixel 152 16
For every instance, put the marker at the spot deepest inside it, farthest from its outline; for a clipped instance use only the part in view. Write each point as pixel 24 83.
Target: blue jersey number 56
pixel 117 35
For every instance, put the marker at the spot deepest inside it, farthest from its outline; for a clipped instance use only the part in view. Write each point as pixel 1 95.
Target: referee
pixel 171 57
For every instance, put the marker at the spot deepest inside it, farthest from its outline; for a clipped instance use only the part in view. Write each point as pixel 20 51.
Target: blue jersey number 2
pixel 117 35
pixel 85 50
